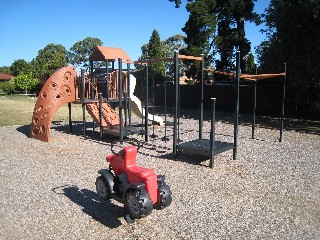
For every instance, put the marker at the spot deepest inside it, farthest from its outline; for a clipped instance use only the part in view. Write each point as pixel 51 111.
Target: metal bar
pixel 176 82
pixel 83 100
pixel 125 108
pixel 146 105
pixel 70 117
pixel 213 130
pixel 154 60
pixel 153 135
pixel 141 104
pixel 185 57
pixel 236 117
pixel 201 99
pixel 283 98
pixel 120 98
pixel 107 73
pixel 128 90
pixel 83 87
pixel 254 108
pixel 182 57
pixel 165 113
pixel 179 110
pixel 92 93
pixel 100 114
pixel 91 79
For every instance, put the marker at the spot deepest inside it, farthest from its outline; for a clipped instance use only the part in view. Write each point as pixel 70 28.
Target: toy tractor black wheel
pixel 138 204
pixel 164 197
pixel 103 188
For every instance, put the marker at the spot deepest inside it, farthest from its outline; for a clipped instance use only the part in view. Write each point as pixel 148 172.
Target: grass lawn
pixel 18 110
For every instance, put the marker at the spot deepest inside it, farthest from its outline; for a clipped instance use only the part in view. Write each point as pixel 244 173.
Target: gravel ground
pixel 271 191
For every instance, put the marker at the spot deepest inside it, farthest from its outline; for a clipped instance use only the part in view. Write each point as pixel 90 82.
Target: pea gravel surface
pixel 272 190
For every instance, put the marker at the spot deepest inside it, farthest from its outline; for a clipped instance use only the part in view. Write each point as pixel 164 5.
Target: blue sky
pixel 26 26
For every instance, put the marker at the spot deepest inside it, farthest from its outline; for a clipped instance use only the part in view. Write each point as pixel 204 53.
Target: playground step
pixel 109 116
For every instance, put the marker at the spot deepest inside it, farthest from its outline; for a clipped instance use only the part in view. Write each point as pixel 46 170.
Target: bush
pixel 7 87
pixel 26 82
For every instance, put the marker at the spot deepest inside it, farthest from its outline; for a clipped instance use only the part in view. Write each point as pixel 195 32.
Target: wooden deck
pixel 202 147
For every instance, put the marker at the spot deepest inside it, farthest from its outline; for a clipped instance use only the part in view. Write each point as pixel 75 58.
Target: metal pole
pixel 165 138
pixel 153 135
pixel 128 90
pixel 142 97
pixel 83 87
pixel 100 114
pixel 176 82
pixel 92 93
pixel 107 78
pixel 236 120
pixel 120 98
pixel 70 116
pixel 179 99
pixel 125 108
pixel 201 99
pixel 283 101
pixel 146 105
pixel 83 101
pixel 213 130
pixel 254 108
pixel 91 79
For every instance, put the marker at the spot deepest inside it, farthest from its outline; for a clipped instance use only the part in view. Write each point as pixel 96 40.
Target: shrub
pixel 26 82
pixel 7 87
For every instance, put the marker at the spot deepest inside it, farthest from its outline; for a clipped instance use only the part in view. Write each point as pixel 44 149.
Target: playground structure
pixel 59 89
pixel 211 147
pixel 96 92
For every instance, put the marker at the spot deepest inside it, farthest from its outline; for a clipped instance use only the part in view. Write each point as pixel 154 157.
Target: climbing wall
pixel 110 118
pixel 59 89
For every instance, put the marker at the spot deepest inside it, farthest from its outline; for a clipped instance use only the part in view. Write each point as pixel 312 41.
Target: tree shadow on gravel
pixel 102 211
pixel 24 130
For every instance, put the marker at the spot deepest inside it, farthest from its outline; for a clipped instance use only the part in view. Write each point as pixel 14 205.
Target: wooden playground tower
pixel 95 91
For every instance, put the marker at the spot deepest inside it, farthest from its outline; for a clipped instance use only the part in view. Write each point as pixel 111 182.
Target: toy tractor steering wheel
pixel 133 141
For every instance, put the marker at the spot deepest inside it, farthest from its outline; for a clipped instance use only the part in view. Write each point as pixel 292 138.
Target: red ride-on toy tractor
pixel 138 188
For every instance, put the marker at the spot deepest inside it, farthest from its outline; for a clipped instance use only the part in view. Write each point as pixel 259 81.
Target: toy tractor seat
pixel 139 173
pixel 125 161
pixel 134 172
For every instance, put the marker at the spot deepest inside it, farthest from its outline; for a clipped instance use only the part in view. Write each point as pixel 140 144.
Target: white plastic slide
pixel 136 104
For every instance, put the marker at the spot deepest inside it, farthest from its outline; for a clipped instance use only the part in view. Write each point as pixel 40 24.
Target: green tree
pixel 177 2
pixel 231 15
pixel 293 38
pixel 26 82
pixel 153 50
pixel 5 69
pixel 200 34
pixel 7 87
pixel 217 26
pixel 171 45
pixel 80 52
pixel 48 60
pixel 156 51
pixel 174 43
pixel 250 64
pixel 20 66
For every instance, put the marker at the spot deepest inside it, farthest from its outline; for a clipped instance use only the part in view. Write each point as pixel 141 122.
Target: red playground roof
pixel 101 53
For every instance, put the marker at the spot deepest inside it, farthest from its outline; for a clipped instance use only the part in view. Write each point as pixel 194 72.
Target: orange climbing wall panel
pixel 110 118
pixel 58 90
